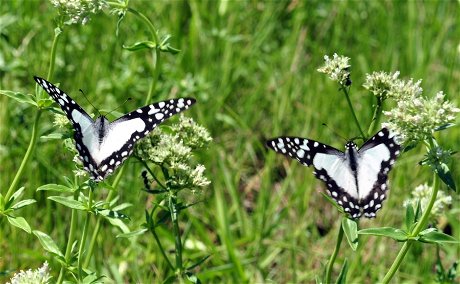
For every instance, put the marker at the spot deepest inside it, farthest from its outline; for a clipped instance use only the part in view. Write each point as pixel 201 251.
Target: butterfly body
pixel 357 178
pixel 105 145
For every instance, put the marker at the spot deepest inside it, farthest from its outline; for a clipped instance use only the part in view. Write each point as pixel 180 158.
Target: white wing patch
pixel 369 166
pixel 117 136
pixel 337 168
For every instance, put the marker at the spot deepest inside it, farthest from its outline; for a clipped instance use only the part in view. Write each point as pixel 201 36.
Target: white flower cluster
pixel 38 276
pixel 415 118
pixel 173 150
pixel 337 68
pixel 422 194
pixel 78 11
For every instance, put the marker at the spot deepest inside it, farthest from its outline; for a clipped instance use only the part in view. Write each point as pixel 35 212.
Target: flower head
pixel 381 83
pixel 415 118
pixel 61 121
pixel 422 194
pixel 172 150
pixel 38 276
pixel 337 68
pixel 78 11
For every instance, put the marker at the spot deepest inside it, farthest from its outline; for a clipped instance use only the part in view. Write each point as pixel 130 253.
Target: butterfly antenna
pixel 335 132
pixel 83 93
pixel 128 99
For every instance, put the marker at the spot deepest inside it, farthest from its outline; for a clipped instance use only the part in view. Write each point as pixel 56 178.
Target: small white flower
pixel 337 68
pixel 422 194
pixel 38 276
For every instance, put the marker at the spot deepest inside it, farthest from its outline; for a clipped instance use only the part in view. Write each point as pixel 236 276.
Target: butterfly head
pixel 350 145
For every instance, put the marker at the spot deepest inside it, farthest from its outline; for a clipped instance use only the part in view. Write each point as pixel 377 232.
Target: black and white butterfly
pixel 357 178
pixel 104 145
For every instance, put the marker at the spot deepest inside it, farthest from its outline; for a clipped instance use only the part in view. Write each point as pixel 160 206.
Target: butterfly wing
pixel 122 133
pixel 331 166
pixel 82 123
pixel 375 159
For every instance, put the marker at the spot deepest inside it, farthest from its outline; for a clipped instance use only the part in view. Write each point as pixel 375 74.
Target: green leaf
pixel 198 262
pixel 17 194
pixel 328 198
pixel 119 223
pixel 68 202
pixel 342 278
pixel 444 126
pixel 437 237
pixel 47 243
pixel 23 203
pixel 444 173
pixel 111 214
pixel 56 188
pixel 192 277
pixel 122 206
pixel 132 234
pixel 141 45
pixel 20 97
pixel 410 216
pixel 19 222
pixel 393 233
pixel 350 228
pixel 54 136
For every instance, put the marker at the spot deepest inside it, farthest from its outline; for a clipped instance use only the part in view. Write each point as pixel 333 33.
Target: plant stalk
pixel 84 235
pixel 176 231
pixel 345 90
pixel 330 264
pixel 27 156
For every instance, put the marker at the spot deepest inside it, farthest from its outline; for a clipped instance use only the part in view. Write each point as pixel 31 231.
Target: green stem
pixel 68 250
pixel 109 197
pixel 418 228
pixel 84 235
pixel 176 231
pixel 27 156
pixel 157 240
pixel 376 117
pixel 57 32
pixel 345 90
pixel 156 55
pixel 330 264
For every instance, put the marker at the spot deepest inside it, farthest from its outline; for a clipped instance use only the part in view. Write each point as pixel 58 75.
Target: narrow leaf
pixel 438 238
pixel 23 203
pixel 19 222
pixel 132 234
pixel 20 97
pixel 410 216
pixel 342 279
pixel 444 173
pixel 350 228
pixel 17 194
pixel 393 233
pixel 56 188
pixel 48 243
pixel 68 202
pixel 141 45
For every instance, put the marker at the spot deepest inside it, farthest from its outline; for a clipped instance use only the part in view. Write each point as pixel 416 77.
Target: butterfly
pixel 357 178
pixel 103 145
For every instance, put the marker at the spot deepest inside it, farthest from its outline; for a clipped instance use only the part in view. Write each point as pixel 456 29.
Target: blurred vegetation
pixel 252 68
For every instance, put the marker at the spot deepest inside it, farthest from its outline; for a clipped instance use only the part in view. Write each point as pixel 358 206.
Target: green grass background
pixel 252 67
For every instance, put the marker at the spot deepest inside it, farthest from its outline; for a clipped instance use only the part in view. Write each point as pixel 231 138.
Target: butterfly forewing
pixel 122 133
pixel 104 145
pixel 356 179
